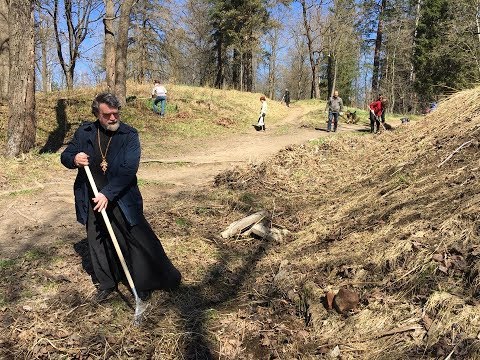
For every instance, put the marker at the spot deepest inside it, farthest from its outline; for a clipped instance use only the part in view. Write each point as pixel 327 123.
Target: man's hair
pixel 262 97
pixel 104 98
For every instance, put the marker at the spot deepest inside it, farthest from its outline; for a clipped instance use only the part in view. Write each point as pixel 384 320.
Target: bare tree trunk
pixel 330 71
pixel 378 46
pixel 43 35
pixel 236 71
pixel 417 19
pixel 220 77
pixel 392 81
pixel 61 59
pixel 242 70
pixel 315 88
pixel 121 53
pixel 109 44
pixel 334 85
pixel 477 18
pixel 4 56
pixel 271 75
pixel 45 77
pixel 247 70
pixel 21 123
pixel 143 45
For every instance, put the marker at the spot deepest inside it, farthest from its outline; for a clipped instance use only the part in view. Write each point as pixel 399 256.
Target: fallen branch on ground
pixel 400 330
pixel 453 153
pixel 239 226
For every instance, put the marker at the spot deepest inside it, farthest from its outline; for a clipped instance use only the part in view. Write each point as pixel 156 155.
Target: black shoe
pixel 144 295
pixel 102 295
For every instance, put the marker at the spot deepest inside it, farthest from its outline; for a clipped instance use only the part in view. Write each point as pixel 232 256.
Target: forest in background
pixel 411 51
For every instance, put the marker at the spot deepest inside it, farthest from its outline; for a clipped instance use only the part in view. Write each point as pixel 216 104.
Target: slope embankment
pixel 393 218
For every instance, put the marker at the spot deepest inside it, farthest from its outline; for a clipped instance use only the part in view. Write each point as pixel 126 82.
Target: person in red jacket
pixel 376 110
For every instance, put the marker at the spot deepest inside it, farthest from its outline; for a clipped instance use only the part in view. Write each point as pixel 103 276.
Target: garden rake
pixel 140 306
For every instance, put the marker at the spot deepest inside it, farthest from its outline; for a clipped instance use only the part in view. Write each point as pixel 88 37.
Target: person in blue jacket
pixel 111 149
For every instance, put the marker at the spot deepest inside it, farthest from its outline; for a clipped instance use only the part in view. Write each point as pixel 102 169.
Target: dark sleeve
pixel 128 169
pixel 71 150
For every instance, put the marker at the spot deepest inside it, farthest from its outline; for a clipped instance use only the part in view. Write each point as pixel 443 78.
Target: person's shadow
pixel 57 137
pixel 195 302
pixel 81 248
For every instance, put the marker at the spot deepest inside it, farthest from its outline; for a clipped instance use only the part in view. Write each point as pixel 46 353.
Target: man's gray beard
pixel 112 127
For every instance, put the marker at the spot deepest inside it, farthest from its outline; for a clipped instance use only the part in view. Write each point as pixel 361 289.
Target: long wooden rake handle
pixel 112 235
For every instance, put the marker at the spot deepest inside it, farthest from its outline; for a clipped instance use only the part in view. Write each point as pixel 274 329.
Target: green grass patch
pixel 211 314
pixel 182 222
pixel 6 263
pixel 403 179
pixel 23 192
pixel 317 142
pixel 34 254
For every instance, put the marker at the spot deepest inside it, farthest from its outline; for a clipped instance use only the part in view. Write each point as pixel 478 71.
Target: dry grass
pixel 375 214
pixel 378 215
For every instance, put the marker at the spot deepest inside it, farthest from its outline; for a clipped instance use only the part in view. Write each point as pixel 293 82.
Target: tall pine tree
pixel 438 67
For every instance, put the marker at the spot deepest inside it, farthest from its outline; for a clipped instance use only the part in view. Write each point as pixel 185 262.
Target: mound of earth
pixel 393 218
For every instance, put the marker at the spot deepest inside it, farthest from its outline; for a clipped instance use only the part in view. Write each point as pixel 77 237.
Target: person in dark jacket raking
pixel 112 151
pixel 334 108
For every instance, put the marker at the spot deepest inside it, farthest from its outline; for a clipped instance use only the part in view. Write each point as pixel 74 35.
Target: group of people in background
pixel 334 108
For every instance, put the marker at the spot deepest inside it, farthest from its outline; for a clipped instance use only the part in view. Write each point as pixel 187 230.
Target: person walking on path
pixel 334 108
pixel 376 111
pixel 286 97
pixel 159 94
pixel 111 149
pixel 263 112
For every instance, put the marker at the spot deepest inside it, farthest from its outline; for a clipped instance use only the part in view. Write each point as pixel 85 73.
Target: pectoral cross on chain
pixel 104 165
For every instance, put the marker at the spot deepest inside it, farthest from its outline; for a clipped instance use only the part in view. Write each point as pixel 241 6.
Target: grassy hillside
pixel 193 115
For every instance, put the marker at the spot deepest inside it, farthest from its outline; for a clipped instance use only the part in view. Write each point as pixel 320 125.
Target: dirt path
pixel 45 216
pixel 191 169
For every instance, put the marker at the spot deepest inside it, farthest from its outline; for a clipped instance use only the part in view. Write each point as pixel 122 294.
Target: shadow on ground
pixel 193 302
pixel 57 137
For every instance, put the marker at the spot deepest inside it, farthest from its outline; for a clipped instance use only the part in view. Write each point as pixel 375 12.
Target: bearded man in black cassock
pixel 112 151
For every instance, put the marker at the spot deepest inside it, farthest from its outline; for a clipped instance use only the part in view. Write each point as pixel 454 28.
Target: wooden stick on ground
pixel 453 153
pixel 400 330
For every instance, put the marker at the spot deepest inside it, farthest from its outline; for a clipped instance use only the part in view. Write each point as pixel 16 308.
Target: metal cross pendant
pixel 104 165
